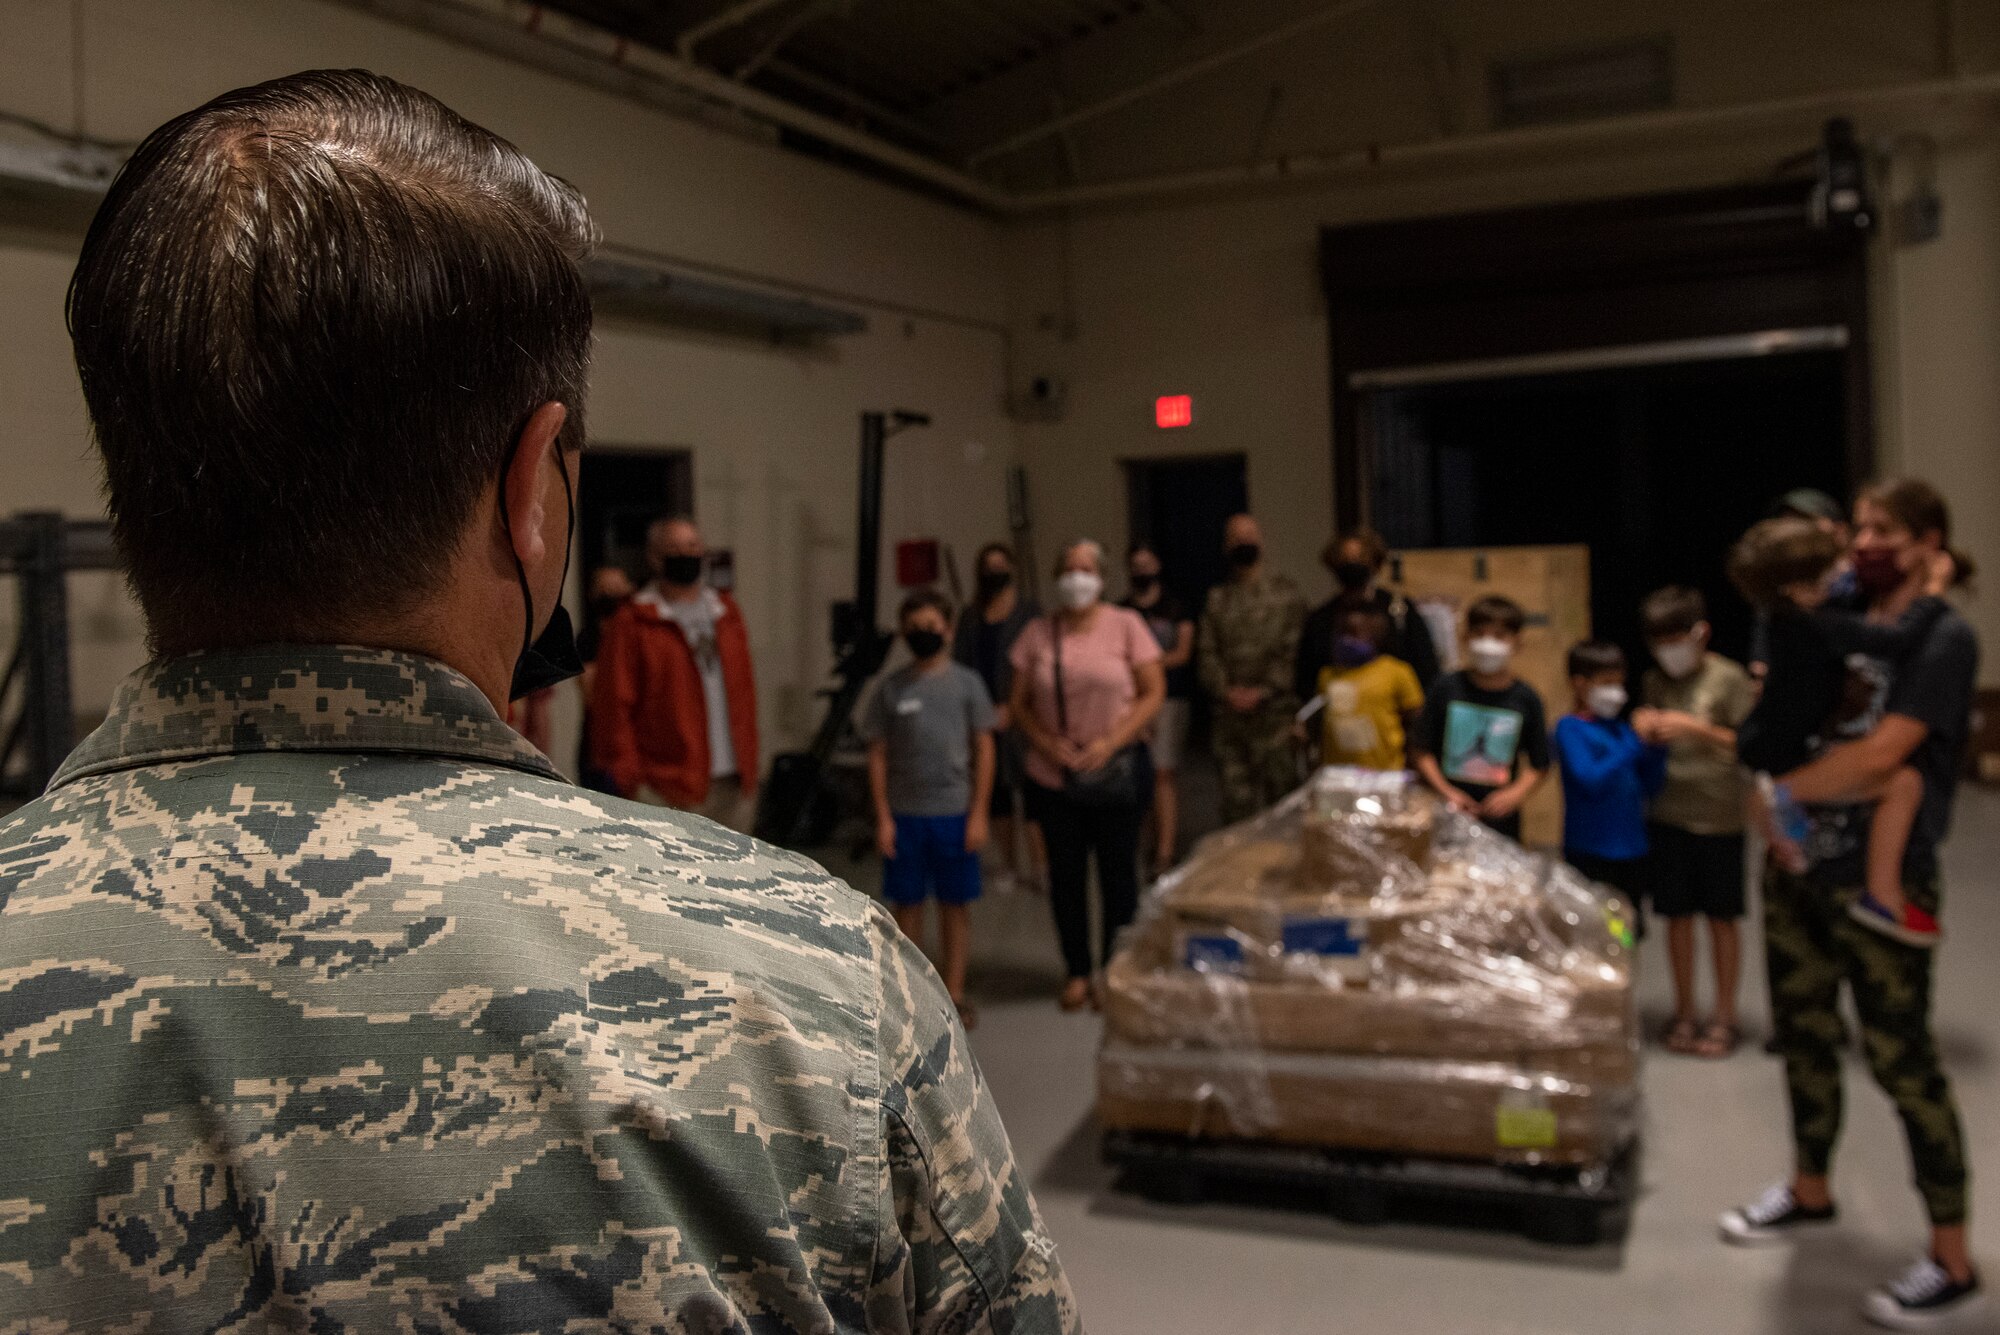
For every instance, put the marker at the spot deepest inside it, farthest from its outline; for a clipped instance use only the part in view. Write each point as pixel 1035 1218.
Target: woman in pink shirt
pixel 1087 686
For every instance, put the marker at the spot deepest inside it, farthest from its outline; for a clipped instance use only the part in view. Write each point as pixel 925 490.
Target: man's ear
pixel 528 476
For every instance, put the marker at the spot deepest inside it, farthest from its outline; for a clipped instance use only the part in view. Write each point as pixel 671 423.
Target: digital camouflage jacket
pixel 327 1005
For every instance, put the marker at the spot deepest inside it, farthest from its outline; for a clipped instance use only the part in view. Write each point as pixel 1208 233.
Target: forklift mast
pixel 790 810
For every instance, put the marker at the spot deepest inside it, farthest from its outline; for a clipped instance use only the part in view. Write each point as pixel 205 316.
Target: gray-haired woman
pixel 1087 685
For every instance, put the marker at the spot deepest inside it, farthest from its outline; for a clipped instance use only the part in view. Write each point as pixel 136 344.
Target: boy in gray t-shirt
pixel 929 729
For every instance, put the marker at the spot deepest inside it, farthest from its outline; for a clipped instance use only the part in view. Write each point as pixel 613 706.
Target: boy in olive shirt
pixel 1693 702
pixel 929 729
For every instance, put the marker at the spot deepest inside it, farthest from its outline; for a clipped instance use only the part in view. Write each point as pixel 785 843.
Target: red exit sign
pixel 1171 410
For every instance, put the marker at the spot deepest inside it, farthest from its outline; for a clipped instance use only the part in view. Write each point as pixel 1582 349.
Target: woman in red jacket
pixel 674 706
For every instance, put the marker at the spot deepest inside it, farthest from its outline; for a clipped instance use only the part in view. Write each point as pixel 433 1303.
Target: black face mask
pixel 552 656
pixel 1244 555
pixel 1352 576
pixel 1144 584
pixel 605 606
pixel 923 643
pixel 993 582
pixel 681 570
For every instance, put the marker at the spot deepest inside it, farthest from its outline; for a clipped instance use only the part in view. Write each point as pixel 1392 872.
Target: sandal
pixel 1718 1041
pixel 1684 1038
pixel 1075 994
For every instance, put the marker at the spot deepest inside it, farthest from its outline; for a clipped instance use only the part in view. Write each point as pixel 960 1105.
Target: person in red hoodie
pixel 673 707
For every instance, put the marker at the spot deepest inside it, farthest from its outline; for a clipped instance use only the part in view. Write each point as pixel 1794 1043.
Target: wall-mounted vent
pixel 1584 85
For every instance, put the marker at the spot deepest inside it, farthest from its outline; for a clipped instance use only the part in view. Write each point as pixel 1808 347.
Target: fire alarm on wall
pixel 1172 410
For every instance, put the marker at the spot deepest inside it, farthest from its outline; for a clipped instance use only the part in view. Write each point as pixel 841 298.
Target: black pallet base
pixel 1567 1206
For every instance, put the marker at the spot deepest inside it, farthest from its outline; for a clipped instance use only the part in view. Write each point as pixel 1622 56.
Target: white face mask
pixel 1678 658
pixel 1607 702
pixel 1079 589
pixel 1488 654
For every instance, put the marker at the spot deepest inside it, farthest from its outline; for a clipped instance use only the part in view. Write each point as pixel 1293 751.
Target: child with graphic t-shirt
pixel 1482 740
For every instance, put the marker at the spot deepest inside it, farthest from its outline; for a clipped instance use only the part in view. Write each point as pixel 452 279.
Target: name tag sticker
pixel 909 706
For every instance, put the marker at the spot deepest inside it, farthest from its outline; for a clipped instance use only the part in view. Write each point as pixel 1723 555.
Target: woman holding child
pixel 1917 719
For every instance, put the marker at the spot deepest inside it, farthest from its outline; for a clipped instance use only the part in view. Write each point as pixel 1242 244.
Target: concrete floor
pixel 1715 1134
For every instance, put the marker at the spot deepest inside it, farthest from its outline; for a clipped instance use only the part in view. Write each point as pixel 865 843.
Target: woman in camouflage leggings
pixel 1920 717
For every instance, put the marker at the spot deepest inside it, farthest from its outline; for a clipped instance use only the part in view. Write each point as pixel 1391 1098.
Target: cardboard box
pixel 1488 1111
pixel 1588 1034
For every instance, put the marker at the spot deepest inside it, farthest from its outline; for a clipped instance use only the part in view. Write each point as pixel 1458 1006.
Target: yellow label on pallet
pixel 1525 1122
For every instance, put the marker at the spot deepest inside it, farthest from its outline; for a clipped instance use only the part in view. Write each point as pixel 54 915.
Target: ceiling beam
pixel 861 102
pixel 1803 112
pixel 786 31
pixel 1179 74
pixel 1094 19
pixel 734 16
pixel 596 56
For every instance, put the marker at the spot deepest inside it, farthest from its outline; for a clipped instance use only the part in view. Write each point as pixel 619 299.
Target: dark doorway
pixel 1657 468
pixel 1178 506
pixel 1461 414
pixel 620 493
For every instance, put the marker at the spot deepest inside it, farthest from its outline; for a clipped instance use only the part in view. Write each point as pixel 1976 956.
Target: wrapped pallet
pixel 1361 968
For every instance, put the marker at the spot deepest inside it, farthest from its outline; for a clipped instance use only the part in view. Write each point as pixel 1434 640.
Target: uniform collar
pixel 298 698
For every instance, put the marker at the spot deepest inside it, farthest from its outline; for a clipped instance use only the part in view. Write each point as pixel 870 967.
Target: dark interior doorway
pixel 1658 469
pixel 1658 459
pixel 620 493
pixel 1178 506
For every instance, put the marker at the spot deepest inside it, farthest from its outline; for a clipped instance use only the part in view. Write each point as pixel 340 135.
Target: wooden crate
pixel 1552 585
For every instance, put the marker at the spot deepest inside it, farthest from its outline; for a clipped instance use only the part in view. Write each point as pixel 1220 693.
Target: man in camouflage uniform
pixel 1248 639
pixel 325 1003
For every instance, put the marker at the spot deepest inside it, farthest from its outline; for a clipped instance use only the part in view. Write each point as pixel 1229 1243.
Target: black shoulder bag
pixel 1124 780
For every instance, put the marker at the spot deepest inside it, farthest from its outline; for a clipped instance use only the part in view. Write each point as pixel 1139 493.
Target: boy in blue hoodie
pixel 1608 774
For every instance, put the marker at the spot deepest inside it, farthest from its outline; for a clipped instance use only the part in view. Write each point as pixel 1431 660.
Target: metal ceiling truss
pixel 645 58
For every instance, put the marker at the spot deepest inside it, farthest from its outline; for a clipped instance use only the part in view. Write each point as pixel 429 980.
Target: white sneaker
pixel 1776 1216
pixel 1924 1297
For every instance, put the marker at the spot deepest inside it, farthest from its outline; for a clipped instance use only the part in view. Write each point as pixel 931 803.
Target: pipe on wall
pixel 1312 166
pixel 535 36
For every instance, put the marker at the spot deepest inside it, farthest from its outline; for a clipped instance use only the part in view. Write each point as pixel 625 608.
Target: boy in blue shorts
pixel 929 729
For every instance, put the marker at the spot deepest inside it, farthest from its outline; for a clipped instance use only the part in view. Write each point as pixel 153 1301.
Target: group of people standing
pixel 1059 735
pixel 1853 712
pixel 1090 706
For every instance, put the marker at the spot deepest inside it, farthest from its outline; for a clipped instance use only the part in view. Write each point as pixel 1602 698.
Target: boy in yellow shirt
pixel 1367 698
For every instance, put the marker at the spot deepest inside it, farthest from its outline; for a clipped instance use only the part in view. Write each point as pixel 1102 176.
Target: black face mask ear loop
pixel 553 657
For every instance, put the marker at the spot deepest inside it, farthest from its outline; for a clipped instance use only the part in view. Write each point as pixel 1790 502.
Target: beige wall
pixel 1943 305
pixel 773 431
pixel 1219 298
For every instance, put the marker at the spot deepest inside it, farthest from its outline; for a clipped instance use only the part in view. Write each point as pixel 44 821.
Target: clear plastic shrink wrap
pixel 1362 968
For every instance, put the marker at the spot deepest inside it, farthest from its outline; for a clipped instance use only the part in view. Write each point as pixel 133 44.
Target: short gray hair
pixel 1091 545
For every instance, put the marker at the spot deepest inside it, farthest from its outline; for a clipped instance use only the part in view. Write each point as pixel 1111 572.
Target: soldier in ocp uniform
pixel 325 1003
pixel 1247 644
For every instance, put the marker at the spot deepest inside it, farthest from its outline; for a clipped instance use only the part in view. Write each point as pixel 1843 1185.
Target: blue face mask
pixel 1350 651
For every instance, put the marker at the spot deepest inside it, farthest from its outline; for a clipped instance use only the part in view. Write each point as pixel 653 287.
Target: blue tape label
pixel 1324 936
pixel 1213 954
